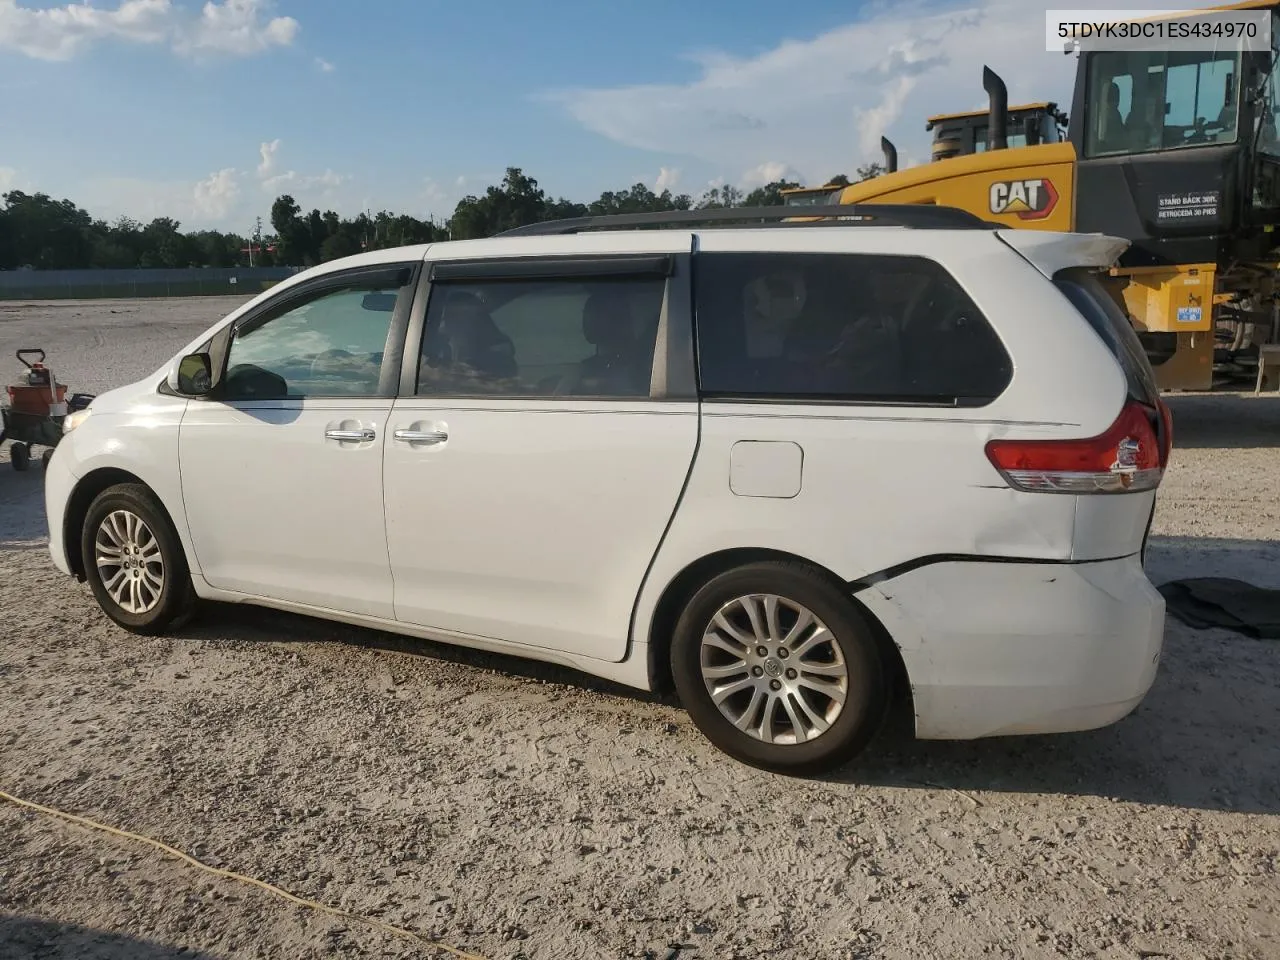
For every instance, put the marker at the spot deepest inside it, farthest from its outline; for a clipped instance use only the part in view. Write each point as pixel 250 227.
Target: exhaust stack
pixel 890 155
pixel 998 117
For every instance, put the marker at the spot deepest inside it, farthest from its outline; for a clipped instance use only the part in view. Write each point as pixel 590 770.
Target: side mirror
pixel 195 375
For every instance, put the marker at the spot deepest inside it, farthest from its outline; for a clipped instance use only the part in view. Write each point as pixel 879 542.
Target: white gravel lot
pixel 518 810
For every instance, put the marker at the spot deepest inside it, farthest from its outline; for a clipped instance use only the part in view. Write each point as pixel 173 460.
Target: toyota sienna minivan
pixel 788 468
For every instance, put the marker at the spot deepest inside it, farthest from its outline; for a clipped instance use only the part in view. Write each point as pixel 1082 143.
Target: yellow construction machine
pixel 1176 151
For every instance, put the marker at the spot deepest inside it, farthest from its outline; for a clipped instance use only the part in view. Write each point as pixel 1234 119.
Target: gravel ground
pixel 518 810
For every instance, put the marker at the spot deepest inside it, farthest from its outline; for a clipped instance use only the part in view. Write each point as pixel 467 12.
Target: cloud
pixel 668 178
pixel 292 180
pixel 268 154
pixel 324 65
pixel 295 181
pixel 216 194
pixel 821 104
pixel 769 172
pixel 228 27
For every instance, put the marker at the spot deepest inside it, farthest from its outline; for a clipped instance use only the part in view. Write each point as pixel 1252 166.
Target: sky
pixel 206 111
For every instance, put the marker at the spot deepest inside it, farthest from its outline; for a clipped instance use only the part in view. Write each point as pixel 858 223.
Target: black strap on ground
pixel 1227 604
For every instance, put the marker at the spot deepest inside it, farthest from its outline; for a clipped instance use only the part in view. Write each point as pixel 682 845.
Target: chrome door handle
pixel 421 436
pixel 354 436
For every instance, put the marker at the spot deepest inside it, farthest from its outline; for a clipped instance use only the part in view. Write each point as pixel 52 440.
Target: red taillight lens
pixel 1127 458
pixel 1166 438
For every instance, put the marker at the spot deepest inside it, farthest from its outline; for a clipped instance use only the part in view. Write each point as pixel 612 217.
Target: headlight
pixel 73 420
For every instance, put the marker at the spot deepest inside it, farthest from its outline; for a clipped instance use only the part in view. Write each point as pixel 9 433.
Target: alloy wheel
pixel 129 561
pixel 773 669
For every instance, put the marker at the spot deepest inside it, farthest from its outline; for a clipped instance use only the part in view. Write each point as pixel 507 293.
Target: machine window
pixel 1266 122
pixel 541 338
pixel 842 327
pixel 1143 101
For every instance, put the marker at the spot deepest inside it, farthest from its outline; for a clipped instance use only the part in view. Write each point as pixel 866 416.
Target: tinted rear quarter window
pixel 1087 294
pixel 842 328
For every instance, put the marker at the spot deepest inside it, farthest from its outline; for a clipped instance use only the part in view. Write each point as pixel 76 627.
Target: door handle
pixel 421 436
pixel 353 436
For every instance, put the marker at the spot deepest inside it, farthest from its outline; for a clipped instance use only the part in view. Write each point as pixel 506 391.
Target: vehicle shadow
pixel 1221 421
pixel 1203 738
pixel 22 520
pixel 246 622
pixel 28 937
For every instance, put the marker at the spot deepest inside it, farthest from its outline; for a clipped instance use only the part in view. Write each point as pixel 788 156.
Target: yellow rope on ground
pixel 231 875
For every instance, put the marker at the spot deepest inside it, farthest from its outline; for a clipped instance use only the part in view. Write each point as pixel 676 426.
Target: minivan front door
pixel 533 470
pixel 282 468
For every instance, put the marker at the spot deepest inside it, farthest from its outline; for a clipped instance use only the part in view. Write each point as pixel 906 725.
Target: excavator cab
pixel 810 196
pixel 961 134
pixel 1177 151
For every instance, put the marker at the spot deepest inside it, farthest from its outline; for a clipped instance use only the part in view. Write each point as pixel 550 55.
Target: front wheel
pixel 134 561
pixel 778 669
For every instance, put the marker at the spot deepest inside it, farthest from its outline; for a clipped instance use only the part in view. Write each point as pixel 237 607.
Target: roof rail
pixel 913 215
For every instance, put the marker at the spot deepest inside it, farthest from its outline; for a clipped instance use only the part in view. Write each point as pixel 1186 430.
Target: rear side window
pixel 1087 294
pixel 541 338
pixel 842 327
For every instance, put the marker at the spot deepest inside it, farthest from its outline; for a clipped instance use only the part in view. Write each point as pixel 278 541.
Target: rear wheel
pixel 134 561
pixel 778 669
pixel 20 456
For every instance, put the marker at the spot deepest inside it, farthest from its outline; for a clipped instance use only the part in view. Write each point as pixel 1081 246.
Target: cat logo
pixel 1027 199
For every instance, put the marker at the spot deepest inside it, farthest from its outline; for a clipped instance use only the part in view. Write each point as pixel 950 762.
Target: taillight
pixel 1128 458
pixel 1166 438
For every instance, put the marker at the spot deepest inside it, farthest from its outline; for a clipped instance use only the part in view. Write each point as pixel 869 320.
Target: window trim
pixel 553 268
pixel 673 374
pixel 402 274
pixel 869 400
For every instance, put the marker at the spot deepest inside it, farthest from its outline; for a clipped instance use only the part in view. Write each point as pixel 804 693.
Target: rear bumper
pixel 1016 648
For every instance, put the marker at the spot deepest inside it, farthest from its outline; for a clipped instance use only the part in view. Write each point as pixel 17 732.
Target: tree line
pixel 38 232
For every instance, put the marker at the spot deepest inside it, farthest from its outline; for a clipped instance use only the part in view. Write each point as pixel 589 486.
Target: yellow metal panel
pixel 1170 299
pixel 1003 186
pixel 1191 367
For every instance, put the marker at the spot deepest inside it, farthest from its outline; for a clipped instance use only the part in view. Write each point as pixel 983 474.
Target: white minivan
pixel 789 468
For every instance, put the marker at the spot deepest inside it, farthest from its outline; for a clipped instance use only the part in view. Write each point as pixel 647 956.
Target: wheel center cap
pixel 773 668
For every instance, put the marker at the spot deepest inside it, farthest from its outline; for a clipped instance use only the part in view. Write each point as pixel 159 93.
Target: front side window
pixel 541 338
pixel 842 327
pixel 330 345
pixel 1148 100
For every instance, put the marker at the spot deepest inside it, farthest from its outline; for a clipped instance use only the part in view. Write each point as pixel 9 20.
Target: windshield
pixel 1142 101
pixel 1017 134
pixel 818 199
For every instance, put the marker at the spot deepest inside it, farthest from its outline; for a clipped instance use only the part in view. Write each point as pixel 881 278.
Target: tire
pixel 113 520
pixel 848 653
pixel 45 458
pixel 20 456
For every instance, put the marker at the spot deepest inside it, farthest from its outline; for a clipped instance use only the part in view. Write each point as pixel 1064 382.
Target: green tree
pixel 839 180
pixel 638 199
pixel 770 195
pixel 724 196
pixel 870 171
pixel 516 202
pixel 341 244
pixel 292 232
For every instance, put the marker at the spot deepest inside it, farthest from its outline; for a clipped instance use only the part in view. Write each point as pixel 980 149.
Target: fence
pixel 160 282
